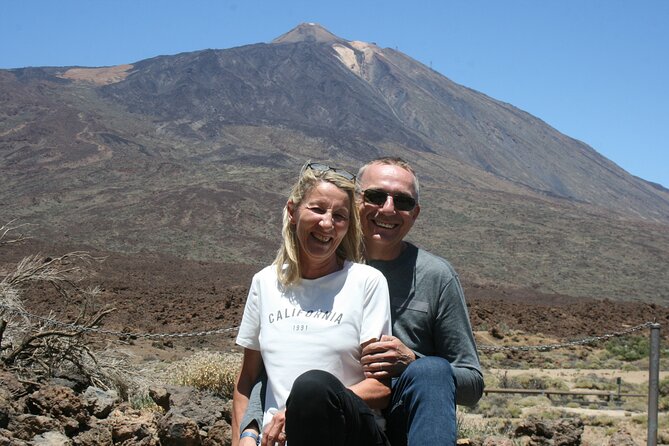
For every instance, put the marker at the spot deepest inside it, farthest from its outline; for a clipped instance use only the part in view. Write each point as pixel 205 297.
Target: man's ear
pixel 416 211
pixel 290 207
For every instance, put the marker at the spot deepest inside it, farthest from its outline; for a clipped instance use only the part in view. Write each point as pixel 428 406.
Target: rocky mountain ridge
pixel 192 155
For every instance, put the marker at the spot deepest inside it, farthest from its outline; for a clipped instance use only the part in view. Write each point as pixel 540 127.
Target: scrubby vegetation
pixel 664 394
pixel 43 348
pixel 527 381
pixel 39 349
pixel 586 368
pixel 628 348
pixel 216 372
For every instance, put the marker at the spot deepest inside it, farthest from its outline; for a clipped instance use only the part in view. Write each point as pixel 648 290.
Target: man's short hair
pixel 392 161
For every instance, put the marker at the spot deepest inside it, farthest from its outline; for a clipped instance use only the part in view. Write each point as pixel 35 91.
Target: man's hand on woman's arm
pixel 386 358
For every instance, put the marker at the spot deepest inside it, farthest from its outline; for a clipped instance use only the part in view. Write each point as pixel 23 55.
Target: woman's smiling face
pixel 321 221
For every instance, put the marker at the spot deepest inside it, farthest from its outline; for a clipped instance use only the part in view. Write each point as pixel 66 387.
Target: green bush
pixel 663 402
pixel 629 348
pixel 664 386
pixel 498 357
pixel 143 402
pixel 641 420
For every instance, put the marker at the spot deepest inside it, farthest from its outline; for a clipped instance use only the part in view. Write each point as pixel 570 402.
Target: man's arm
pixel 390 357
pixel 455 342
pixel 251 367
pixel 253 417
pixel 254 411
pixel 469 385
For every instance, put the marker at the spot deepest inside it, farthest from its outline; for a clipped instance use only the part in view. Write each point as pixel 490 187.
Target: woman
pixel 306 319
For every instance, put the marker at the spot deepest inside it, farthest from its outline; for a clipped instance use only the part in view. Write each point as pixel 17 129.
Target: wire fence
pixel 572 343
pixel 483 348
pixel 121 334
pixel 653 390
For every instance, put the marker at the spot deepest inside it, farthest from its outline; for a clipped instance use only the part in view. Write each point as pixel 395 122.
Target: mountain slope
pixel 317 83
pixel 193 154
pixel 506 141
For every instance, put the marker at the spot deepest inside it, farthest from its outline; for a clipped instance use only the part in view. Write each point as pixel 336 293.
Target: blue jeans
pixel 422 408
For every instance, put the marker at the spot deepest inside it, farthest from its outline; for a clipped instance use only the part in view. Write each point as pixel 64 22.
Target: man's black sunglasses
pixel 401 202
pixel 318 167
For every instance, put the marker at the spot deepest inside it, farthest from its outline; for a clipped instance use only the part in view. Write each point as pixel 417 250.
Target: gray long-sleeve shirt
pixel 429 315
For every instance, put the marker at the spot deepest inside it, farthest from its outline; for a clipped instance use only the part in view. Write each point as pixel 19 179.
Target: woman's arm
pixel 373 391
pixel 251 367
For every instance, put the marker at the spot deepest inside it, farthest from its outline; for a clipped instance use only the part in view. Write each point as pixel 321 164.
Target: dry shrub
pixel 498 406
pixel 601 421
pixel 663 431
pixel 470 428
pixel 593 382
pixel 40 347
pixel 539 401
pixel 528 381
pixel 664 394
pixel 216 372
pixel 663 437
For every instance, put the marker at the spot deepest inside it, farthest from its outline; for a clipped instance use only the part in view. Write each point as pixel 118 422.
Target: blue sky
pixel 596 70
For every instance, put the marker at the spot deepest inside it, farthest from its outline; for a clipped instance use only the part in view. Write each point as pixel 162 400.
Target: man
pixel 432 357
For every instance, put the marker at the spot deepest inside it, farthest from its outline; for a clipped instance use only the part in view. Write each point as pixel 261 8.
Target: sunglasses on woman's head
pixel 318 167
pixel 401 202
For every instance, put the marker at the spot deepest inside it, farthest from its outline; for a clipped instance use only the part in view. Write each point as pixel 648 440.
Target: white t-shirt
pixel 315 324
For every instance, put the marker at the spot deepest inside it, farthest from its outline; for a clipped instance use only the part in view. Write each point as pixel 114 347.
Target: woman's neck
pixel 311 271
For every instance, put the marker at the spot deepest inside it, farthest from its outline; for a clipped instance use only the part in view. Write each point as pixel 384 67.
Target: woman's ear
pixel 290 207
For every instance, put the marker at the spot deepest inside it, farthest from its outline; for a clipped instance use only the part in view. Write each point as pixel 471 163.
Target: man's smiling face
pixel 384 226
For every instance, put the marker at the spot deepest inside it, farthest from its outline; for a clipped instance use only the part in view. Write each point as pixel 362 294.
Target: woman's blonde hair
pixel 287 260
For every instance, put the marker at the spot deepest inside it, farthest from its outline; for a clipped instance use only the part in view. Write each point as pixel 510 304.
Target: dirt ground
pixel 156 295
pixel 162 294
